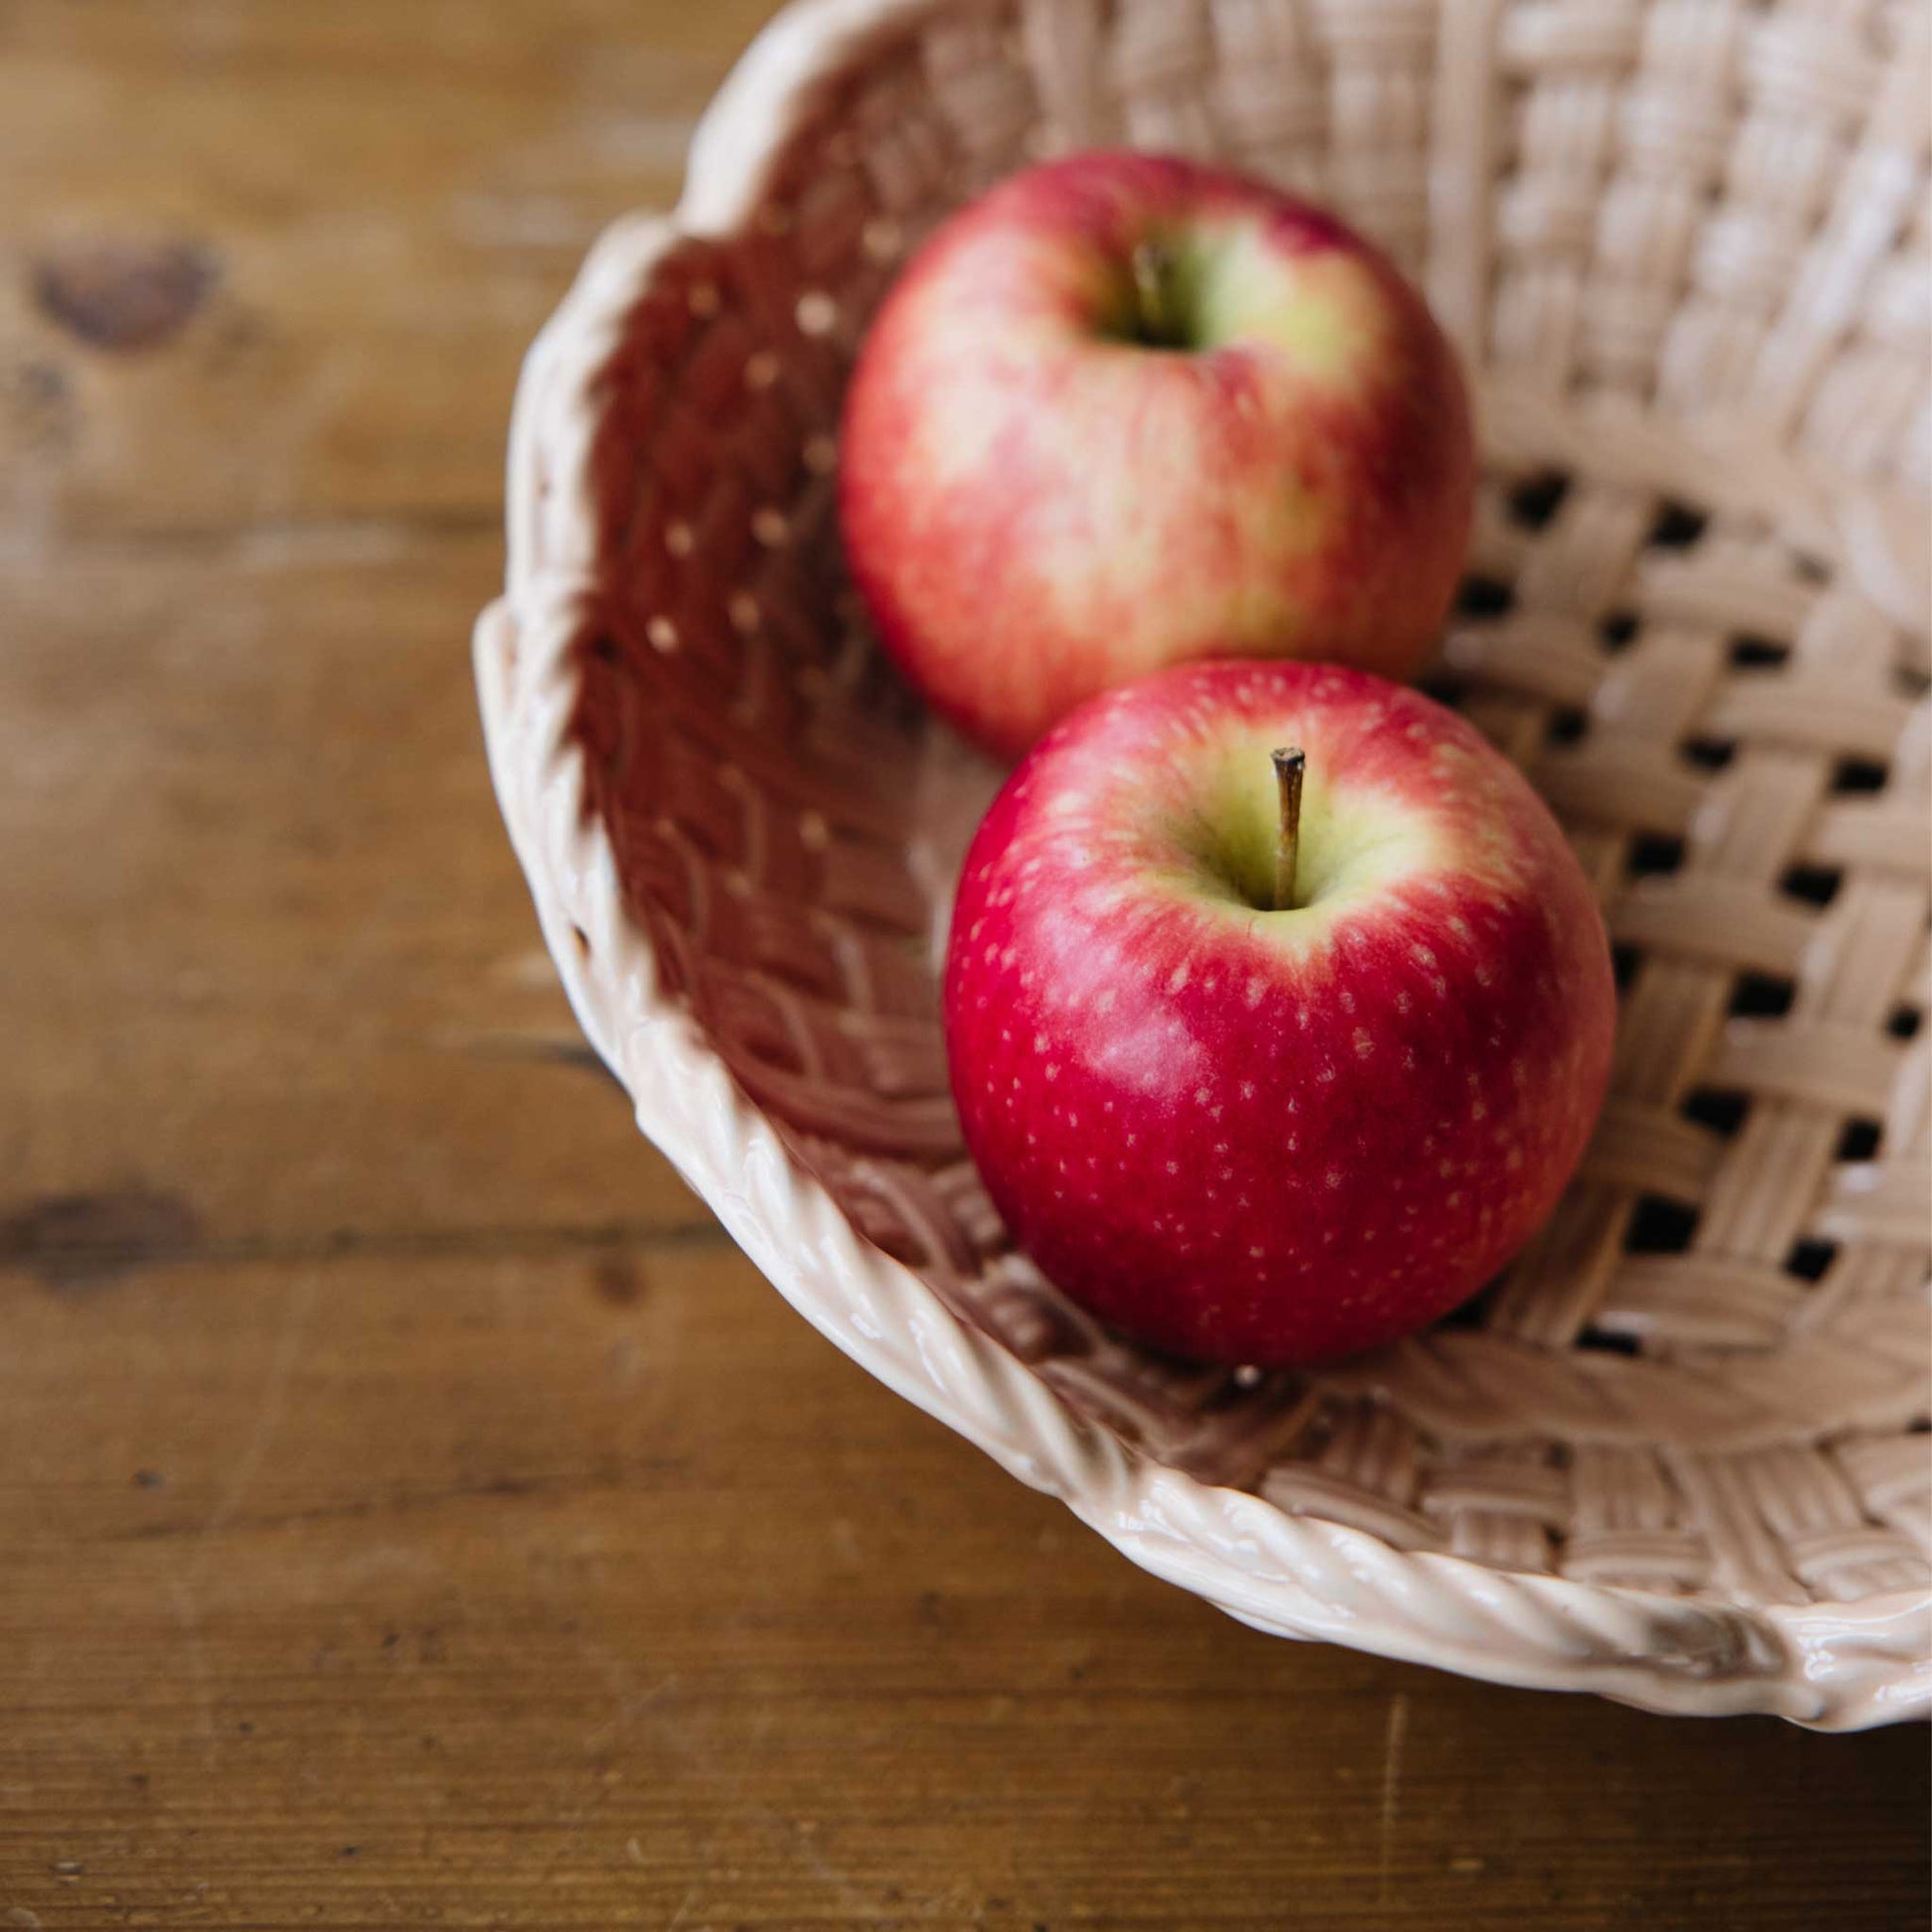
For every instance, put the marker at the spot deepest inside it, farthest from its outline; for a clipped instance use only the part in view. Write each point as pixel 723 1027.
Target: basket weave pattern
pixel 1685 248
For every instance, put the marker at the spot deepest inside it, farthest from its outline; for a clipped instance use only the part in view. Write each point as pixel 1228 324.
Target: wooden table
pixel 414 1512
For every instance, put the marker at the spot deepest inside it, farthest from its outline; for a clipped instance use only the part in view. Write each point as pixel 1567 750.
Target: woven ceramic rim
pixel 1827 1664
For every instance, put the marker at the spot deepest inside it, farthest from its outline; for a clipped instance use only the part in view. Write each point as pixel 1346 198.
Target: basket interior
pixel 1709 1373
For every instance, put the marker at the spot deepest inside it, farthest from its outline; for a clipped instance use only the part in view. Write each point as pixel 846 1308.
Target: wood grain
pixel 414 1512
pixel 591 1589
pixel 295 988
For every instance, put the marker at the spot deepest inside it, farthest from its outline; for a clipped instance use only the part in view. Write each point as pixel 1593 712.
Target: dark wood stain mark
pixel 124 296
pixel 617 1281
pixel 79 1241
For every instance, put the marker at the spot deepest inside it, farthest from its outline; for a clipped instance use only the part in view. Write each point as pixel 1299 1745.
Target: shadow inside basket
pixel 1720 1314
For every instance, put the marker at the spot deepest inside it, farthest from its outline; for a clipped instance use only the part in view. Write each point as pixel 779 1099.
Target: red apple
pixel 1126 411
pixel 1251 1132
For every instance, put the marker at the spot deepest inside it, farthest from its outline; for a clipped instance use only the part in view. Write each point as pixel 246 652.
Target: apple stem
pixel 1151 265
pixel 1289 765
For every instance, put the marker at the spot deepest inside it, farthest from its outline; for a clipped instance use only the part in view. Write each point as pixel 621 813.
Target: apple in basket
pixel 1126 411
pixel 1278 1010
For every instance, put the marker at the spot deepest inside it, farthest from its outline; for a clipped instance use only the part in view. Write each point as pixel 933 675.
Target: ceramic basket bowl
pixel 1677 1455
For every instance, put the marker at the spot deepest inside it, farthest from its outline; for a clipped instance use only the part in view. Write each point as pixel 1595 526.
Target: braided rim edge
pixel 1827 1666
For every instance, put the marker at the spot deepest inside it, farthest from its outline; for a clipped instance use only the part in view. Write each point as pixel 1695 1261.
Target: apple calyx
pixel 1291 767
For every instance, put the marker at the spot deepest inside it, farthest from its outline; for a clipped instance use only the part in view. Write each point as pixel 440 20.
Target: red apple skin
pixel 1273 1136
pixel 1037 510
